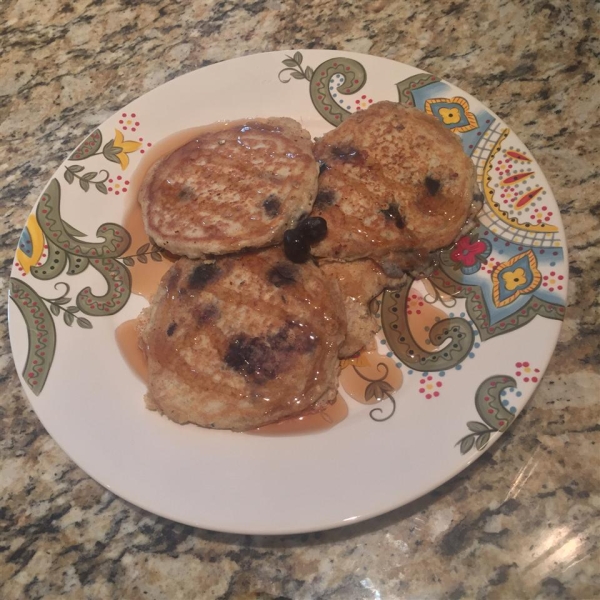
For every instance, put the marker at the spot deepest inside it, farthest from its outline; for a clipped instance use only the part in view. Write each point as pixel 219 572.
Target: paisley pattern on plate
pixel 505 272
pixel 459 353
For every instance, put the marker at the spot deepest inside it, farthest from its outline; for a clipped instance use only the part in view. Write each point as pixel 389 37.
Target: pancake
pixel 360 282
pixel 243 341
pixel 395 186
pixel 237 187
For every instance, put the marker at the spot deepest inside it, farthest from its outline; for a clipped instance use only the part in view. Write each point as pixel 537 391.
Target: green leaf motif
pixel 129 261
pixel 298 57
pixel 61 301
pixel 308 73
pixel 143 258
pixel 89 176
pixel 84 184
pixel 75 168
pixel 288 62
pixel 54 310
pixel 143 249
pixel 157 256
pixel 477 427
pixel 84 323
pixel 68 318
pixel 72 309
pixel 110 152
pixel 482 441
pixel 101 187
pixel 466 444
pixel 297 75
pixel 69 177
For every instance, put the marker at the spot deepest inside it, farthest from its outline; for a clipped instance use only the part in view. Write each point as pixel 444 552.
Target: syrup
pixel 368 367
pixel 127 340
pixel 146 276
pixel 128 343
pixel 335 413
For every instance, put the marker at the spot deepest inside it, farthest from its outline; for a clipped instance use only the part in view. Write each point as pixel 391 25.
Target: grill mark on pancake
pixel 262 127
pixel 303 367
pixel 235 175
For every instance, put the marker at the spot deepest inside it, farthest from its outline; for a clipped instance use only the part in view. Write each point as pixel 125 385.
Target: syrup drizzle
pixel 128 343
pixel 146 278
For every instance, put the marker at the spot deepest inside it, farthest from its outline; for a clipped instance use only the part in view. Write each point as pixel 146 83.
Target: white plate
pixel 507 297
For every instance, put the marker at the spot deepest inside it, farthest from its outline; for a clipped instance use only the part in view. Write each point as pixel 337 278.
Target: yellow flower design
pixel 514 279
pixel 453 112
pixel 126 147
pixel 358 360
pixel 450 116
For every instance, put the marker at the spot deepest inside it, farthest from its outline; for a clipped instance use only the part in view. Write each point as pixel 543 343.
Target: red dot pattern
pixel 428 387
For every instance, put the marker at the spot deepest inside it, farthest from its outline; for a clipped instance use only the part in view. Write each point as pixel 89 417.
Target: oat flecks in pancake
pixel 240 187
pixel 359 282
pixel 396 180
pixel 243 341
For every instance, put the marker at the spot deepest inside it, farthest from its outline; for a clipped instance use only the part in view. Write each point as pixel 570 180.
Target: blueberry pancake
pixel 229 189
pixel 243 341
pixel 394 183
pixel 359 281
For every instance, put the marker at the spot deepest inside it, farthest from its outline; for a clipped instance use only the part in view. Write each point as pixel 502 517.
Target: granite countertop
pixel 521 522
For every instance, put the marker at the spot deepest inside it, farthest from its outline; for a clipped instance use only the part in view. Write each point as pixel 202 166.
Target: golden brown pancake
pixel 395 183
pixel 243 341
pixel 360 282
pixel 234 188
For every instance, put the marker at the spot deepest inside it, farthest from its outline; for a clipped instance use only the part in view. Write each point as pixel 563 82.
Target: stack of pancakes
pixel 244 332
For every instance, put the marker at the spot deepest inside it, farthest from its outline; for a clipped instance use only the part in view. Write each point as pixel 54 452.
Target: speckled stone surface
pixel 524 520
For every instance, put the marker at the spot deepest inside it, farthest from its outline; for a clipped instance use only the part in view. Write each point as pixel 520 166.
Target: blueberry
pixel 296 246
pixel 392 213
pixel 432 185
pixel 313 229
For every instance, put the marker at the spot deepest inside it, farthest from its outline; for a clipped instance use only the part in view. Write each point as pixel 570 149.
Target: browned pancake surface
pixel 359 281
pixel 394 180
pixel 243 341
pixel 239 187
